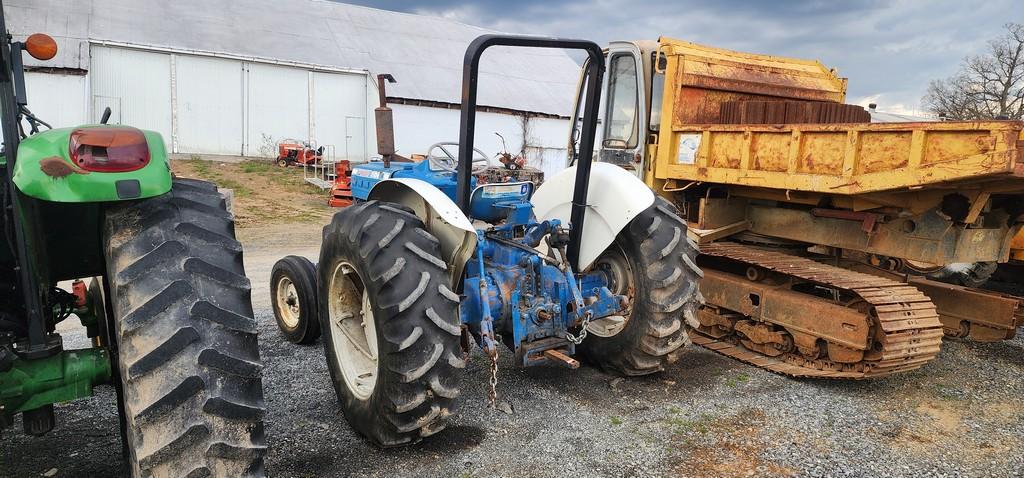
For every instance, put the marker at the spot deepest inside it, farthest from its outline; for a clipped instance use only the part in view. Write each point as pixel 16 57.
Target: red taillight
pixel 109 150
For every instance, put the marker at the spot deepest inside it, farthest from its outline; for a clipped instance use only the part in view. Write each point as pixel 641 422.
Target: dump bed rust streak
pixel 841 159
pixel 844 158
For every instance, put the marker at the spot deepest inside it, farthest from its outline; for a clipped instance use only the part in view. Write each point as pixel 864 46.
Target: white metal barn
pixel 234 77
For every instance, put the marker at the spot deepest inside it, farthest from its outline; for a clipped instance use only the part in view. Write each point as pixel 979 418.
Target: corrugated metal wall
pixel 69 108
pixel 136 85
pixel 338 116
pixel 278 107
pixel 215 105
pixel 208 97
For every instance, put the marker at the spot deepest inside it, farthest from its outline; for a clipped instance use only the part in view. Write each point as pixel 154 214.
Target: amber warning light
pixel 41 46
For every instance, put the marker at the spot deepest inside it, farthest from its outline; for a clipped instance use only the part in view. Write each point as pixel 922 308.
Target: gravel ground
pixel 706 416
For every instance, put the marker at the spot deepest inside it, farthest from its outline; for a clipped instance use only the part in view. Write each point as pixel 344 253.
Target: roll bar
pixel 467 127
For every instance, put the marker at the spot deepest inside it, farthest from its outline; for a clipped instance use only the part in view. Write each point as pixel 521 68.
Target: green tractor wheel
pixel 187 355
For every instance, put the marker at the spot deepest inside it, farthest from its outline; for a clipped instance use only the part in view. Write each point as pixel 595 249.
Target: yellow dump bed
pixel 838 158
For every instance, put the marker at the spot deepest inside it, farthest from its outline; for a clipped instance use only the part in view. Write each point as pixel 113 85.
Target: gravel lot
pixel 706 416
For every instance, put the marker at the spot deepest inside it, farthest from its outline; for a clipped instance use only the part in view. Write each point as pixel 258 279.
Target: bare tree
pixel 989 85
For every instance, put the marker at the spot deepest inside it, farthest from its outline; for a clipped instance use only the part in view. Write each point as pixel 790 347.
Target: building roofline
pixel 225 55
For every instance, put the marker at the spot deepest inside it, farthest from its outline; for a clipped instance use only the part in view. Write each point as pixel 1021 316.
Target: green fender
pixel 154 179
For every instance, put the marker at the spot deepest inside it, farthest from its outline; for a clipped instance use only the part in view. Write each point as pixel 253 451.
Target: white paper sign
pixel 688 145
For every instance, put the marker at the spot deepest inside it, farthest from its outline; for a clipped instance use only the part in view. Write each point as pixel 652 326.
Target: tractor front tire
pixel 293 297
pixel 661 273
pixel 188 357
pixel 390 323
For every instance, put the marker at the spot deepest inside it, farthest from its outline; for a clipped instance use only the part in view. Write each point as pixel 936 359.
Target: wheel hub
pixel 287 298
pixel 620 281
pixel 353 331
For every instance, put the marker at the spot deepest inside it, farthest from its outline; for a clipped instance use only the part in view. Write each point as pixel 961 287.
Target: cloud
pixel 888 49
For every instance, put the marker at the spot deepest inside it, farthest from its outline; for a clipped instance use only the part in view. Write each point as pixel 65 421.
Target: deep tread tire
pixel 663 261
pixel 302 274
pixel 188 353
pixel 416 318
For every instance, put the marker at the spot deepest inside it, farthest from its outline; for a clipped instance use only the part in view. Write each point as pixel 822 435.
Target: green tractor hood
pixel 45 170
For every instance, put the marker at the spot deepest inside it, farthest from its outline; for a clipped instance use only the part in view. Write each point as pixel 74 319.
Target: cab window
pixel 657 92
pixel 620 129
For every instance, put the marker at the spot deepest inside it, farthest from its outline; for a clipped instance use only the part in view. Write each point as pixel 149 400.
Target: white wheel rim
pixel 353 332
pixel 287 298
pixel 614 260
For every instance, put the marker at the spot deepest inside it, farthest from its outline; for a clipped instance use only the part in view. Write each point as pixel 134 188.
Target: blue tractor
pixel 430 262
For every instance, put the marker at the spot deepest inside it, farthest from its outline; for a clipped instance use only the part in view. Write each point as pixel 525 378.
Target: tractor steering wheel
pixel 441 158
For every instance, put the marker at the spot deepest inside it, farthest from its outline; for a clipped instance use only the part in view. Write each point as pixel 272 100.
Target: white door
pixel 138 83
pixel 209 101
pixel 355 139
pixel 624 118
pixel 339 111
pixel 278 107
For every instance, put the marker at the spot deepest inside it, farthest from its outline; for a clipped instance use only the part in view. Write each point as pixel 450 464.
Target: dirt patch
pixel 941 424
pixel 726 446
pixel 265 193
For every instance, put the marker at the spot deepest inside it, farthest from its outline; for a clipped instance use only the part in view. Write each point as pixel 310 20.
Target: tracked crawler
pixel 762 149
pixel 804 318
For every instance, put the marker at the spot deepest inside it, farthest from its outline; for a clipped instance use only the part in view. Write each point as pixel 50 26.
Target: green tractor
pixel 156 279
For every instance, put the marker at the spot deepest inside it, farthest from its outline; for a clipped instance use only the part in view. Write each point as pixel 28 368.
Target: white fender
pixel 615 197
pixel 439 213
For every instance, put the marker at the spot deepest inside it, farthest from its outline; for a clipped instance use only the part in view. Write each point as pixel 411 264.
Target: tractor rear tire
pixel 187 356
pixel 293 297
pixel 397 367
pixel 662 262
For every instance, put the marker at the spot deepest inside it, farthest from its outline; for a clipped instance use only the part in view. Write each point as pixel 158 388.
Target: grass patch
pixel 684 426
pixel 264 192
pixel 202 168
pixel 240 190
pixel 616 420
pixel 732 382
pixel 261 167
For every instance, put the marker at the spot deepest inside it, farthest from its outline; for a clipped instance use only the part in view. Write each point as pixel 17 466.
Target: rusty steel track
pixel 910 331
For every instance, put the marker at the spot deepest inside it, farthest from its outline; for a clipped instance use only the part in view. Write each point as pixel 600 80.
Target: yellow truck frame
pixel 883 200
pixel 855 167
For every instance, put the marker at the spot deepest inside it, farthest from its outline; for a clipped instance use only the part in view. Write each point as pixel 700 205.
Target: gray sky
pixel 888 49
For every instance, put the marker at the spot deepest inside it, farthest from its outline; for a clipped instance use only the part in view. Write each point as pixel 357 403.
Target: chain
pixel 583 330
pixel 492 394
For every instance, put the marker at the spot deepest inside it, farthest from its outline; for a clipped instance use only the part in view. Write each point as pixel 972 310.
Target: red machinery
pixel 341 192
pixel 291 152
